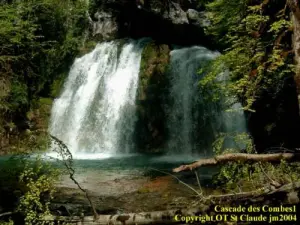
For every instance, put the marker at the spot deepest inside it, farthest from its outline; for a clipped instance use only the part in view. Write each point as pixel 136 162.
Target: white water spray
pixel 96 110
pixel 192 122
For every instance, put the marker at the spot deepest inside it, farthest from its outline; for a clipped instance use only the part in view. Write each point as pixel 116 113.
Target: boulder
pixel 196 18
pixel 105 26
pixel 176 15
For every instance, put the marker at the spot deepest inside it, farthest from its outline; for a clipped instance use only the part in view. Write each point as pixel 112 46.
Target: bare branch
pixel 167 216
pixel 6 214
pixel 66 155
pixel 198 181
pixel 199 194
pixel 232 157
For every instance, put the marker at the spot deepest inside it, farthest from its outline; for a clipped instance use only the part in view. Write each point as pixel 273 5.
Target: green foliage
pixel 201 4
pixel 237 176
pixel 39 40
pixel 154 64
pixel 224 16
pixel 212 88
pixel 238 140
pixel 279 26
pixel 10 222
pixel 256 54
pixel 27 186
pixel 18 96
pixel 232 172
pixel 35 182
pixel 87 47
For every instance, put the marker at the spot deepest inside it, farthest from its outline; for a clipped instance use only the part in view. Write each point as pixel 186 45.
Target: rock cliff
pixel 177 22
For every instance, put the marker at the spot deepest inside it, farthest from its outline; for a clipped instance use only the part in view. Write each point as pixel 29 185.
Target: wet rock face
pixel 176 15
pixel 150 127
pixel 197 18
pixel 163 20
pixel 105 26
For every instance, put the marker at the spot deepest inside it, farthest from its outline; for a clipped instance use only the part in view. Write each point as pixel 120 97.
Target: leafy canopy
pixel 39 39
pixel 256 37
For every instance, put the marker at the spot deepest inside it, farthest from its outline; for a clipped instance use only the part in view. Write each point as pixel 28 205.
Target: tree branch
pixel 199 194
pixel 294 7
pixel 157 217
pixel 237 157
pixel 67 160
pixel 6 214
pixel 168 216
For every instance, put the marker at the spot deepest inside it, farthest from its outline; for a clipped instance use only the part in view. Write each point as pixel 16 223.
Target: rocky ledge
pixel 163 20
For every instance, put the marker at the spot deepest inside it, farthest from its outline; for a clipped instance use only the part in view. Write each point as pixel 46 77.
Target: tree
pixel 295 16
pixel 39 40
pixel 257 47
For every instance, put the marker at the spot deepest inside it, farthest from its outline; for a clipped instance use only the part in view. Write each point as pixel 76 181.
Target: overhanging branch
pixel 234 157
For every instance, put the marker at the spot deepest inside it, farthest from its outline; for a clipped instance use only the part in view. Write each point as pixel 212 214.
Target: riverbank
pixel 118 189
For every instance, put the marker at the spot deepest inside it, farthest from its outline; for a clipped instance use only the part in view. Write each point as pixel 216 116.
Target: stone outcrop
pixel 175 14
pixel 197 18
pixel 163 20
pixel 150 130
pixel 106 25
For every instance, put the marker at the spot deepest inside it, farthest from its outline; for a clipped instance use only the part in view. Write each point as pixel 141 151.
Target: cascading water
pixel 194 123
pixel 96 110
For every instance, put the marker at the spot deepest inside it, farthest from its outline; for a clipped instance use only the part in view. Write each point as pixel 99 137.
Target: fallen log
pixel 168 216
pixel 232 157
pixel 157 217
pixel 265 191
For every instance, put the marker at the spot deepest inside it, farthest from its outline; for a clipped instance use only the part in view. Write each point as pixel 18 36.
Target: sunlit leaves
pixel 38 39
pixel 279 25
pixel 37 181
pixel 224 15
pixel 254 21
pixel 27 187
pixel 255 57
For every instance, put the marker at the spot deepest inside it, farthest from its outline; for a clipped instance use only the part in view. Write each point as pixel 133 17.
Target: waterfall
pixel 193 123
pixel 96 111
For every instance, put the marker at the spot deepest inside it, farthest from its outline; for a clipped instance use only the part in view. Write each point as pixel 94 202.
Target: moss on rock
pixel 150 96
pixel 87 47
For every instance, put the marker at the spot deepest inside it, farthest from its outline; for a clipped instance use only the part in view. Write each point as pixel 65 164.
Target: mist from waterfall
pixel 193 123
pixel 95 115
pixel 95 112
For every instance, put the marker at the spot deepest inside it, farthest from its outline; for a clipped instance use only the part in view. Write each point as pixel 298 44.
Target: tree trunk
pixel 234 157
pixel 295 16
pixel 157 217
pixel 206 207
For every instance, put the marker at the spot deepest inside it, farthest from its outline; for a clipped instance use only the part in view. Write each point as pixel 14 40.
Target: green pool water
pixel 107 171
pixel 129 182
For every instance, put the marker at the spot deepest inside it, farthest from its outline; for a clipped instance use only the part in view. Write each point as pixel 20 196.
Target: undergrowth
pixel 247 176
